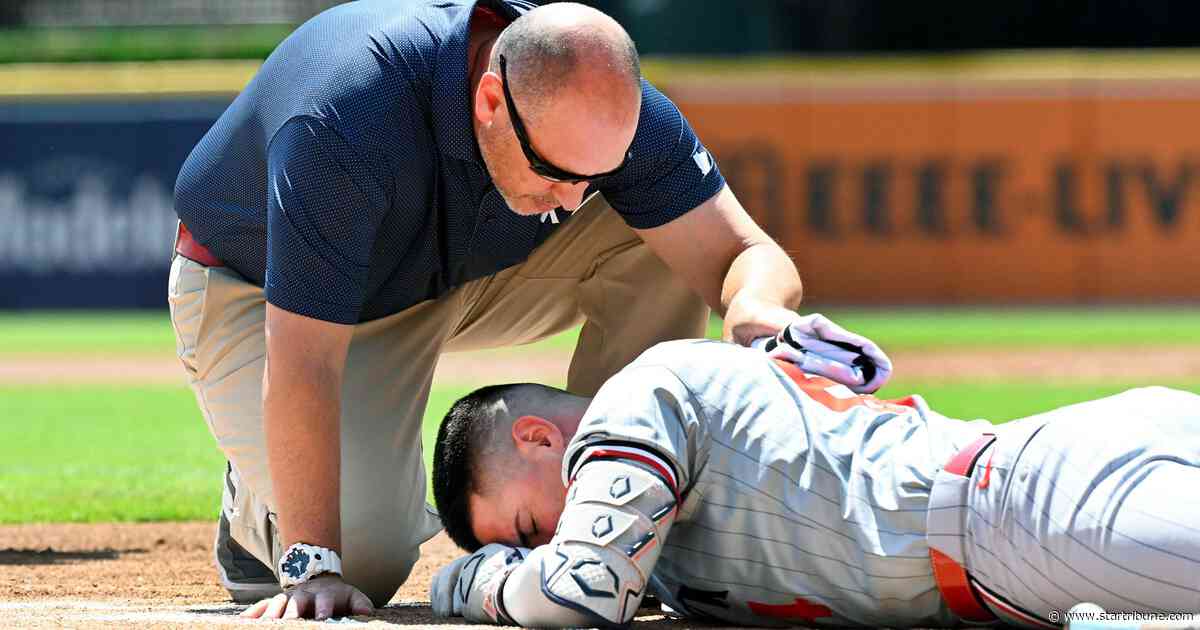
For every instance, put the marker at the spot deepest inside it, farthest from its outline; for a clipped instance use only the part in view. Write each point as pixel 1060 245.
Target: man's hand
pixel 470 586
pixel 749 318
pixel 320 598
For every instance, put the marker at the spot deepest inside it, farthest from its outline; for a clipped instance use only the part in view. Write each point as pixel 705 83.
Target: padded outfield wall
pixel 976 179
pixel 1064 178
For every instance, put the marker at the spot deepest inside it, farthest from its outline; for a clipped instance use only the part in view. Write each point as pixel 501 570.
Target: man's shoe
pixel 246 578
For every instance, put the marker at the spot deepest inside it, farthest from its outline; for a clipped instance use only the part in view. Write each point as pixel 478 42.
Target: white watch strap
pixel 302 562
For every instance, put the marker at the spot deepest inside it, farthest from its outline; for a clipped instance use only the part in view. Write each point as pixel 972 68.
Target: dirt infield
pixel 502 365
pixel 159 575
pixel 1046 365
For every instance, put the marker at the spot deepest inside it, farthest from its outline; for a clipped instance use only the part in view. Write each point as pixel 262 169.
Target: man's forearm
pixel 733 264
pixel 765 273
pixel 302 410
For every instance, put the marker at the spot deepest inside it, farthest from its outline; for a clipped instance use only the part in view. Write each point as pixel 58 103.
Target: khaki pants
pixel 594 269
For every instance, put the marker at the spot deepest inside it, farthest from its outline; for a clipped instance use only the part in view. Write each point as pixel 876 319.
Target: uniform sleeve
pixel 597 568
pixel 323 210
pixel 646 414
pixel 670 173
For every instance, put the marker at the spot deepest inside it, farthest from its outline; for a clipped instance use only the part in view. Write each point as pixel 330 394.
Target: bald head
pixel 566 47
pixel 563 108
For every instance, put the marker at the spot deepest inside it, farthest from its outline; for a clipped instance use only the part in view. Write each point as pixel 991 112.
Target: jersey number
pixel 823 391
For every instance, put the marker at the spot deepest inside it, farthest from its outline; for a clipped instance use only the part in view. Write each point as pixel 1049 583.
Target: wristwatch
pixel 301 562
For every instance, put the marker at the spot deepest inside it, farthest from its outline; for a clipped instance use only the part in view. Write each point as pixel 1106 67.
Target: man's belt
pixel 186 246
pixel 947 513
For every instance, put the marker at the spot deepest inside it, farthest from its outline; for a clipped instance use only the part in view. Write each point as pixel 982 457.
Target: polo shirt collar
pixel 452 116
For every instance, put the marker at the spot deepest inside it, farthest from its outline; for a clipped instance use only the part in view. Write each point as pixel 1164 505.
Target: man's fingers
pixel 360 604
pixel 292 610
pixel 762 324
pixel 326 600
pixel 316 600
pixel 275 606
pixel 256 611
pixel 299 605
pixel 743 334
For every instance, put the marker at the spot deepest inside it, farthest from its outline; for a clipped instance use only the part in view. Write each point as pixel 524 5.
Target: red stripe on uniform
pixel 641 552
pixel 607 454
pixel 956 589
pixel 994 602
pixel 799 609
pixel 951 577
pixel 961 463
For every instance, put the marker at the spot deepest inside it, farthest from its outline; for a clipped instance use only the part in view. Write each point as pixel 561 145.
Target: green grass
pixel 106 453
pixel 119 453
pixel 149 332
pixel 1087 327
pixel 944 328
pixel 1000 402
pixel 90 332
pixel 127 333
pixel 256 41
pixel 158 43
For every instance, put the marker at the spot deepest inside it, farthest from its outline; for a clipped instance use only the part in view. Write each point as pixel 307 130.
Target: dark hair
pixel 463 436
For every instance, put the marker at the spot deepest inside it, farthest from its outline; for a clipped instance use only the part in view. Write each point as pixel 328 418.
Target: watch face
pixel 295 564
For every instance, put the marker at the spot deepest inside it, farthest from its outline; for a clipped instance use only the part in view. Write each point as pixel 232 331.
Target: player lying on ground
pixel 734 486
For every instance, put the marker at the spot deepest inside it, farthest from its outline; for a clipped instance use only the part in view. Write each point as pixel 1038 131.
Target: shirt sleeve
pixel 670 172
pixel 323 210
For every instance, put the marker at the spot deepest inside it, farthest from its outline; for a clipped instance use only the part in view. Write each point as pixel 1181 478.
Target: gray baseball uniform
pixel 797 501
pixel 1096 502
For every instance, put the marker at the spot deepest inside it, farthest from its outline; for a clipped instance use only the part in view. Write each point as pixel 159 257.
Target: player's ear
pixel 489 97
pixel 532 432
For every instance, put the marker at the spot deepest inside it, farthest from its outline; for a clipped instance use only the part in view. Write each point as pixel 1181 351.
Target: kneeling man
pixel 734 486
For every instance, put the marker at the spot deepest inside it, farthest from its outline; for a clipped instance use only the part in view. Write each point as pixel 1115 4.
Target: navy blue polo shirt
pixel 346 179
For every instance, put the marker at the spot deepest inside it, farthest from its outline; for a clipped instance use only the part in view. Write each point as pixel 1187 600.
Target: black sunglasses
pixel 536 163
